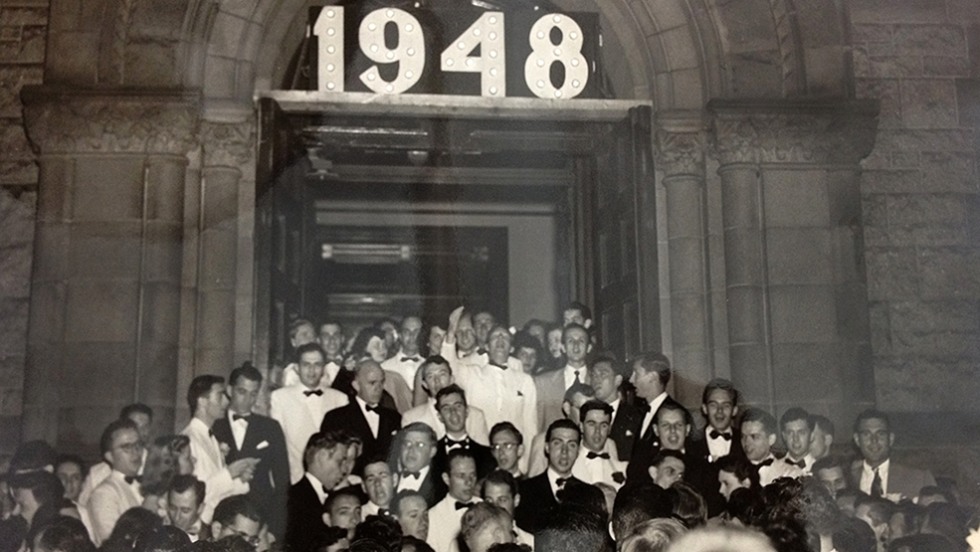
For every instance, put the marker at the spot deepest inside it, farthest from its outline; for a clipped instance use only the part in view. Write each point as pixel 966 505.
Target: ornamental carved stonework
pixel 680 153
pixel 839 134
pixel 228 144
pixel 66 122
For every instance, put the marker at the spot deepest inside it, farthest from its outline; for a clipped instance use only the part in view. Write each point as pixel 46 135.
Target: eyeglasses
pixel 253 540
pixel 504 446
pixel 416 444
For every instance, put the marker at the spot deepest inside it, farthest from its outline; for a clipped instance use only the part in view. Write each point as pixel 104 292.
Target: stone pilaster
pixel 791 209
pixel 681 141
pixel 106 286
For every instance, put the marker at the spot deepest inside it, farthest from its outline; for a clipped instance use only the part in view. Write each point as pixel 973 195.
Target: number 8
pixel 568 52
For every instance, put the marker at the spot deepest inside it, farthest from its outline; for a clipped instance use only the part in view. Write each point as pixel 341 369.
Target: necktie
pixel 501 366
pixel 591 455
pixel 412 359
pixel 372 408
pixel 766 462
pixel 416 475
pixel 130 479
pixel 714 434
pixel 577 379
pixel 800 464
pixel 876 490
pixel 461 505
pixel 317 392
pixel 236 417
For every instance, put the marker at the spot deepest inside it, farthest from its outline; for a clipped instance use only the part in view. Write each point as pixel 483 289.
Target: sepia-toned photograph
pixel 489 275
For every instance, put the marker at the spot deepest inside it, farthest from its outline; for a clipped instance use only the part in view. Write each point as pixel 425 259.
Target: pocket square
pixel 262 445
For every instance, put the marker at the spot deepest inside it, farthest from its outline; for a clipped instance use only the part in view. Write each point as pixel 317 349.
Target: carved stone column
pixel 105 298
pixel 680 156
pixel 797 307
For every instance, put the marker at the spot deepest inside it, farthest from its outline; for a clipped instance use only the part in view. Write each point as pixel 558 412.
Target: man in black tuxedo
pixel 414 451
pixel 452 410
pixel 324 456
pixel 719 405
pixel 251 435
pixel 651 373
pixel 542 493
pixel 364 416
pixel 606 377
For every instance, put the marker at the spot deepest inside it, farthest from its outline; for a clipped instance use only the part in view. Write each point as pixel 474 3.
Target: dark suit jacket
pixel 902 480
pixel 625 429
pixel 267 490
pixel 344 382
pixel 646 447
pixel 303 514
pixel 433 488
pixel 537 500
pixel 485 463
pixel 703 476
pixel 351 419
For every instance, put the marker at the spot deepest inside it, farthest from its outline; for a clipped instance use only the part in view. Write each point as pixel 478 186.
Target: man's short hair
pixel 295 325
pixel 310 347
pixel 247 371
pixel 499 477
pixel 580 307
pixel 200 387
pixel 401 496
pixel 879 509
pixel 829 462
pixel 456 454
pixel 376 458
pixel 524 340
pixel 664 454
pixel 435 360
pixel 507 426
pixel 136 408
pixel 822 423
pixel 872 414
pixel 761 416
pixel 670 406
pixel 183 482
pixel 418 427
pixel 594 404
pixel 795 414
pixel 636 503
pixel 608 357
pixel 578 388
pixel 722 384
pixel 740 467
pixel 451 389
pixel 323 440
pixel 45 486
pixel 239 505
pixel 574 326
pixel 477 516
pixel 654 361
pixel 71 459
pixel 334 496
pixel 570 526
pixel 63 534
pixel 561 423
pixel 105 443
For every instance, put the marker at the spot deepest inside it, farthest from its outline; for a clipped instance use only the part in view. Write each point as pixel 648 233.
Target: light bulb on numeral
pixel 491 66
pixel 567 52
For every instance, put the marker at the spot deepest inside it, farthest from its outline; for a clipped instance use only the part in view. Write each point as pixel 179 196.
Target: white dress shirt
pixel 210 467
pixel 503 395
pixel 405 366
pixel 317 487
pixel 868 476
pixel 775 470
pixel 412 483
pixel 300 416
pixel 599 470
pixel 654 406
pixel 372 416
pixel 238 428
pixel 719 446
pixel 583 375
pixel 445 523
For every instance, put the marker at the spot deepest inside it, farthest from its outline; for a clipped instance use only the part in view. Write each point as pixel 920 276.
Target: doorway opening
pixel 387 206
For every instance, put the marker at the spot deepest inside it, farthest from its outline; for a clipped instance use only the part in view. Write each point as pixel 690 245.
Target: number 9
pixel 409 54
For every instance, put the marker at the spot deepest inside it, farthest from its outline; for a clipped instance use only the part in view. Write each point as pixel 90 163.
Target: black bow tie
pixel 799 464
pixel 592 455
pixel 481 351
pixel 416 475
pixel 372 408
pixel 236 417
pixel 130 479
pixel 317 392
pixel 716 434
pixel 766 462
pixel 384 512
pixel 461 505
pixel 501 366
pixel 326 491
pixel 451 443
pixel 413 359
pixel 561 481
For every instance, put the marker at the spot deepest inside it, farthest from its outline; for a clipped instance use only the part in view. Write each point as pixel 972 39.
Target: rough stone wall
pixel 23 30
pixel 921 58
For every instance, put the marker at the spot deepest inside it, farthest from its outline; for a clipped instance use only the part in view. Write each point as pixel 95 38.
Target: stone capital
pixel 680 143
pixel 228 144
pixel 811 132
pixel 68 121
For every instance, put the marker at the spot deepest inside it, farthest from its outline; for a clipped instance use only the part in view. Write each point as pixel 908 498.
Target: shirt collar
pixel 657 401
pixel 317 486
pixel 882 468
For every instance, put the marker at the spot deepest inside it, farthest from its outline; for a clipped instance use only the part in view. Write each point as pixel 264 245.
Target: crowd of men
pixel 475 437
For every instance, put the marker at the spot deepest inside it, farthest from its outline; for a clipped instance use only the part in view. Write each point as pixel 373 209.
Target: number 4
pixel 487 33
